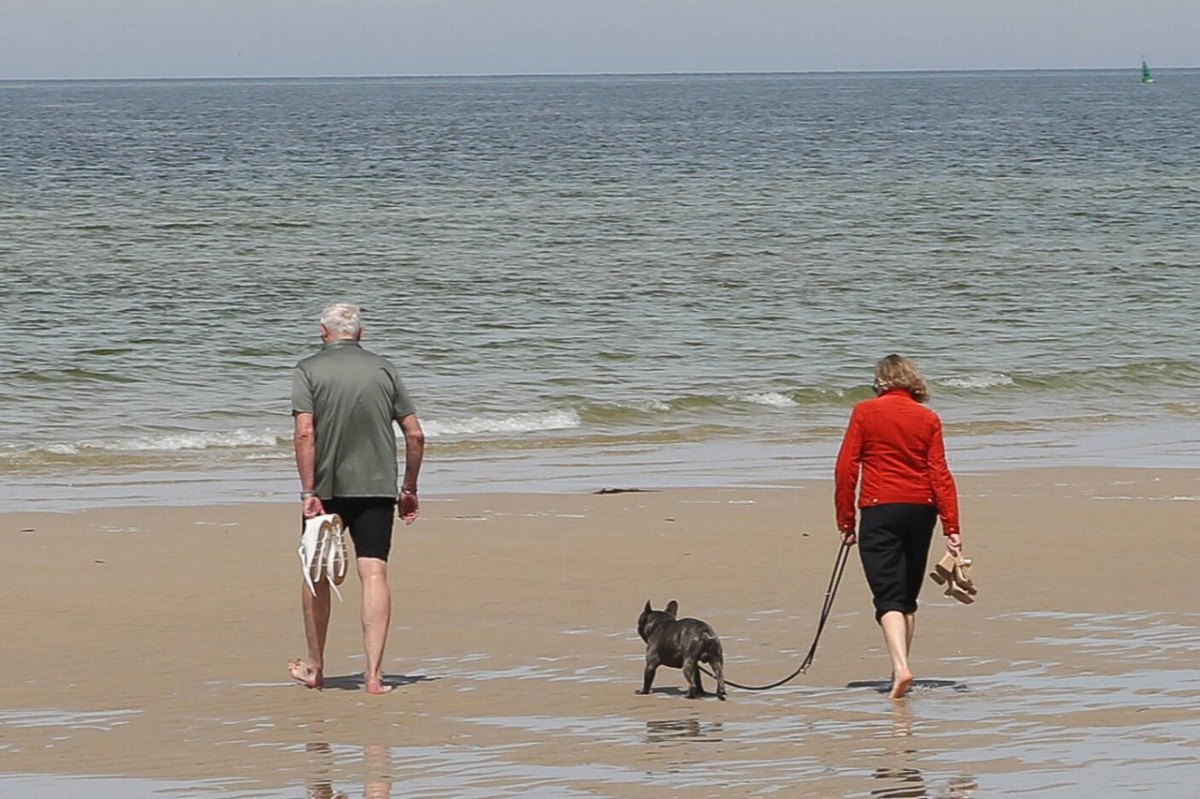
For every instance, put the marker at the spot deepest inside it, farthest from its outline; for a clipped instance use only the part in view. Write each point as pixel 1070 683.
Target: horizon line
pixel 663 73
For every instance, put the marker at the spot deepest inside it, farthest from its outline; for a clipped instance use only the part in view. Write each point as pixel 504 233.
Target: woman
pixel 895 442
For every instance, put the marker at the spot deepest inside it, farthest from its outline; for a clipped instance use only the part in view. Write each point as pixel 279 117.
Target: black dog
pixel 682 644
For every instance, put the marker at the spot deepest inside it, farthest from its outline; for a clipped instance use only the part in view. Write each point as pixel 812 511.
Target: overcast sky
pixel 218 38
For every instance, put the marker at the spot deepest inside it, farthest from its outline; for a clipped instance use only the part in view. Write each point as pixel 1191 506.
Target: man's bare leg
pixel 311 673
pixel 897 635
pixel 376 617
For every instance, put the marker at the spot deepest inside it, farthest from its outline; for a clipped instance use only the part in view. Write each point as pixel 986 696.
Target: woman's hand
pixel 849 538
pixel 954 544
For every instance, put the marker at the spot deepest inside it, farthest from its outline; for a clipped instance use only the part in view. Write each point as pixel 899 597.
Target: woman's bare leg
pixel 897 636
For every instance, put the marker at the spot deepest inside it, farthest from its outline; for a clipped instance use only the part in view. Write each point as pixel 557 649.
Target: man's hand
pixel 312 506
pixel 408 508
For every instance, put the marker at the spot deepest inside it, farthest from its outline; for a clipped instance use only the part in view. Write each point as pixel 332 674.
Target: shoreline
pixel 515 658
pixel 718 462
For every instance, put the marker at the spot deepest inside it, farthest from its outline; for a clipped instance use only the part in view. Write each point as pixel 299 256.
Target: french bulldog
pixel 681 644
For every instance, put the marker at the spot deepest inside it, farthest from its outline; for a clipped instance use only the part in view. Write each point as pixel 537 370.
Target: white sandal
pixel 319 539
pixel 336 556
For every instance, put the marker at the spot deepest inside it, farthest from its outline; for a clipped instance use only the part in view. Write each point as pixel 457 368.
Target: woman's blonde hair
pixel 895 371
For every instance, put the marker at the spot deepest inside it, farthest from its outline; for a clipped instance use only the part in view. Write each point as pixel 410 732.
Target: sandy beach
pixel 145 651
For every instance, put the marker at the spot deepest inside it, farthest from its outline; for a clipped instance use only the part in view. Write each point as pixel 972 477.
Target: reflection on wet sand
pixel 676 729
pixel 318 775
pixel 911 784
pixel 901 720
pixel 319 770
pixel 377 767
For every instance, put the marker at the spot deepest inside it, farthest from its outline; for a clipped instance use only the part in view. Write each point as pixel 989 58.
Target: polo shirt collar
pixel 342 342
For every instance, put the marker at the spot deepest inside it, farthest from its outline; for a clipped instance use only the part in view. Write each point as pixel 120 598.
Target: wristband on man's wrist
pixel 408 492
pixel 307 494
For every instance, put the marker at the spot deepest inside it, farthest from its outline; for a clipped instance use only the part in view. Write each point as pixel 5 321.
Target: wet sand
pixel 145 651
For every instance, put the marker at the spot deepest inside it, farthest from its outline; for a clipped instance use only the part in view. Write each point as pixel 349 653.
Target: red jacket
pixel 896 442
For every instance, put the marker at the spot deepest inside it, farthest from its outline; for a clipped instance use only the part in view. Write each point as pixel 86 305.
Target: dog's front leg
pixel 648 677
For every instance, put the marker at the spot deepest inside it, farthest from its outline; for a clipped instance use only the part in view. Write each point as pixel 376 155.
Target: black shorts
pixel 893 543
pixel 369 520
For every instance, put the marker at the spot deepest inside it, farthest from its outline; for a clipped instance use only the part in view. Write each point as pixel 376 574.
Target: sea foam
pixel 167 442
pixel 979 381
pixel 771 399
pixel 514 423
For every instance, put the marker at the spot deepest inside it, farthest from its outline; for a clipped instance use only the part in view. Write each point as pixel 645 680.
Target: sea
pixel 588 282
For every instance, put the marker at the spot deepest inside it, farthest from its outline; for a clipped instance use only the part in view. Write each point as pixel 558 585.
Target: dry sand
pixel 151 643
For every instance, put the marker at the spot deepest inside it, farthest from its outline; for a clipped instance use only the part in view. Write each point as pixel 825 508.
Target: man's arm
pixel 305 441
pixel 414 454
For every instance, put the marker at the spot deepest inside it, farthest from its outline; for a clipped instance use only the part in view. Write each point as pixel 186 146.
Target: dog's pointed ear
pixel 672 608
pixel 647 606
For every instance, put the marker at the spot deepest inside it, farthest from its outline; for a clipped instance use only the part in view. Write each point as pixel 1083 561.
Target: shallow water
pixel 720 462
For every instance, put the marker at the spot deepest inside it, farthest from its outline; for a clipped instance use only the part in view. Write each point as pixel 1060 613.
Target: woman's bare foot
pixel 901 682
pixel 305 674
pixel 378 687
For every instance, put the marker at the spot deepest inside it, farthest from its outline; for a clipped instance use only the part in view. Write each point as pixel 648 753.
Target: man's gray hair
pixel 342 319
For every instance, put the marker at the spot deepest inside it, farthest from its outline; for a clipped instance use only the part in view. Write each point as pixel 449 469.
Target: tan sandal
pixel 956 591
pixel 952 572
pixel 943 570
pixel 961 579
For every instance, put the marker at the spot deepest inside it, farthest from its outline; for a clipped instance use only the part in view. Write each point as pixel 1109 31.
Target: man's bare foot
pixel 378 687
pixel 900 684
pixel 305 674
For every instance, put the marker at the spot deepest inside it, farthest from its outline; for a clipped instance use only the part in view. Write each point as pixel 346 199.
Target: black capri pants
pixel 893 543
pixel 369 521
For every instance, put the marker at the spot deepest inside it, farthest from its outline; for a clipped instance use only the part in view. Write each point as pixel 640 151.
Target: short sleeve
pixel 302 393
pixel 402 404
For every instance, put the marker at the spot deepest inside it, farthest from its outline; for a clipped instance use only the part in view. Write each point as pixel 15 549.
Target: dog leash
pixel 835 579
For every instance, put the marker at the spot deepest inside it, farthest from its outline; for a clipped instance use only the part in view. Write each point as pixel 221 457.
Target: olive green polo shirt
pixel 353 395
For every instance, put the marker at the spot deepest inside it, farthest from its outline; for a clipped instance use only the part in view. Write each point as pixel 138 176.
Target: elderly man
pixel 344 402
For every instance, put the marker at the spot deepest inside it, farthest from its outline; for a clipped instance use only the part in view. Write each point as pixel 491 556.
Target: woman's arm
pixel 945 492
pixel 845 474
